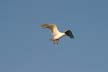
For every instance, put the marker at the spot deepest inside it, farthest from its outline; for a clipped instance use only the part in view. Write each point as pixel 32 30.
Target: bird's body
pixel 56 33
pixel 56 37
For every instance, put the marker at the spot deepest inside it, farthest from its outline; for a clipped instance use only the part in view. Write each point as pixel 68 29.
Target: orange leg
pixel 55 41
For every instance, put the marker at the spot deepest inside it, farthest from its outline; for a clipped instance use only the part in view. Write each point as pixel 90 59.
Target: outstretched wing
pixel 52 27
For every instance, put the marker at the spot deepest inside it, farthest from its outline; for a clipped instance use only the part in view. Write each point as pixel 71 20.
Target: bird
pixel 57 35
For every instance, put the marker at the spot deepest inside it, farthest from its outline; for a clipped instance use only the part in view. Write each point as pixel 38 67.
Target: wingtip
pixel 44 25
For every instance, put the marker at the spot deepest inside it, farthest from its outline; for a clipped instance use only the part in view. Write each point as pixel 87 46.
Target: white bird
pixel 56 33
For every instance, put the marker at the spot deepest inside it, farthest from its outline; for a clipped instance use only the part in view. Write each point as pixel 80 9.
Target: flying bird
pixel 56 33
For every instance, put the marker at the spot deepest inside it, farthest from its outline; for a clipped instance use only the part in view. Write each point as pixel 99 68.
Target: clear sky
pixel 25 46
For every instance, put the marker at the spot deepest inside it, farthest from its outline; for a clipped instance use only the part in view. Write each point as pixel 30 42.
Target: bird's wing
pixel 52 27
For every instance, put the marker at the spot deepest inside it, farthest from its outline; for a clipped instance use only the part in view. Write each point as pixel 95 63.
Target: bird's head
pixel 69 33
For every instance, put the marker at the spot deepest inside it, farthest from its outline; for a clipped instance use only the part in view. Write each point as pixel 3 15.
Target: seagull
pixel 56 33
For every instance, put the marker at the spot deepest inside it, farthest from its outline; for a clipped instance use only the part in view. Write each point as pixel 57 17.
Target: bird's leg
pixel 55 41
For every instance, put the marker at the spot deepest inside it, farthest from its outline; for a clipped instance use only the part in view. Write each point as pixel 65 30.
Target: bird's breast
pixel 58 36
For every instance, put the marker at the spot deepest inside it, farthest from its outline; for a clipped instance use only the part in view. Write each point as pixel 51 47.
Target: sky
pixel 25 46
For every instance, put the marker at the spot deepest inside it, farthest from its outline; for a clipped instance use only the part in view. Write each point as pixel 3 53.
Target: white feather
pixel 56 33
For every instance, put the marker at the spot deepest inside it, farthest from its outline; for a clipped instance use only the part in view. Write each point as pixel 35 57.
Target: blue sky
pixel 25 47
